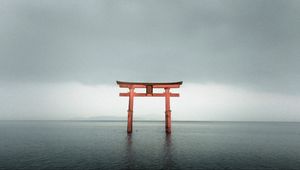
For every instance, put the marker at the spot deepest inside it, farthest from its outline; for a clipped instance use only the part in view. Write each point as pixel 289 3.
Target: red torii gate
pixel 149 93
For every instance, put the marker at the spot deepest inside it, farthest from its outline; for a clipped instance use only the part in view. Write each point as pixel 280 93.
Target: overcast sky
pixel 239 60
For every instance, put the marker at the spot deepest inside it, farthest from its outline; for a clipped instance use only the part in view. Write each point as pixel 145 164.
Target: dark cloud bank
pixel 250 43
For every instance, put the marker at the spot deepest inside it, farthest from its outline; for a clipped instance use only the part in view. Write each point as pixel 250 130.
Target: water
pixel 106 145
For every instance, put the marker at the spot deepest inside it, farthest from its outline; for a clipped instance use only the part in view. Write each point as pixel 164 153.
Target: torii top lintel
pixel 153 84
pixel 149 88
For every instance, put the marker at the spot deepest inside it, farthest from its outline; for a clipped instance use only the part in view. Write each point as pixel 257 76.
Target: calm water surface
pixel 106 145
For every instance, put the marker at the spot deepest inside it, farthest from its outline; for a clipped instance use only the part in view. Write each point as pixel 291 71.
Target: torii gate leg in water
pixel 130 110
pixel 168 110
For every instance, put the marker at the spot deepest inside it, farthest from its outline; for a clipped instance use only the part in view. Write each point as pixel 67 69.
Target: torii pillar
pixel 149 93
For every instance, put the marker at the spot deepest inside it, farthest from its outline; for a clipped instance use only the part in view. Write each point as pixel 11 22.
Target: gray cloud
pixel 250 43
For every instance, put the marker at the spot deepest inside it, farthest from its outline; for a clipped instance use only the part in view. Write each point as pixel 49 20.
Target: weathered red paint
pixel 149 93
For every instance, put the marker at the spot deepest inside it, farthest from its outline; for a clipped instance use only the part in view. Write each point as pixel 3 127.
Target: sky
pixel 239 60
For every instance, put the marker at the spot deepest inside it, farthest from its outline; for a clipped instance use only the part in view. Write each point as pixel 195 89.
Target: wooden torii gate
pixel 149 93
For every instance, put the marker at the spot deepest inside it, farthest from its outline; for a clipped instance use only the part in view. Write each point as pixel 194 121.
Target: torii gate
pixel 149 93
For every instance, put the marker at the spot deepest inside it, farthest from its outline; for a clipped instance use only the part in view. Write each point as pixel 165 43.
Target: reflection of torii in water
pixel 149 93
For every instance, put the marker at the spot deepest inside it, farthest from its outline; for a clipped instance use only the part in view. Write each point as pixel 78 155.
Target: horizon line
pixel 145 120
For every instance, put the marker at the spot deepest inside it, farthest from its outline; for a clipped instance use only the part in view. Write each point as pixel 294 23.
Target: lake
pixel 106 145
